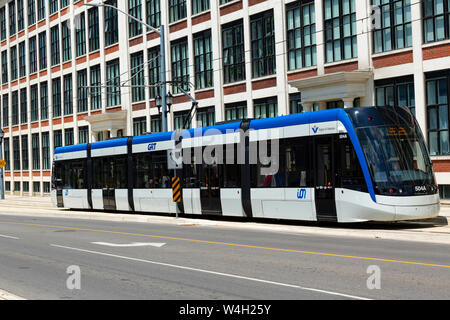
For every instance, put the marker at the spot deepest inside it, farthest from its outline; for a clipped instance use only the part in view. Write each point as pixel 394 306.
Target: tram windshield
pixel 397 158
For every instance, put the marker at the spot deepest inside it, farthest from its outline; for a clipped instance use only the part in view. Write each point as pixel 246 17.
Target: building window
pixel 199 6
pixel 5 111
pixel 64 3
pixel 26 186
pixel 25 165
pixel 154 13
pixel 236 111
pixel 139 126
pixel 111 24
pixel 113 83
pixel 266 108
pixel 68 96
pixel 263 44
pixel 43 50
pixel 206 116
pixel 395 29
pixel 436 16
pixel 46 187
pixel 177 10
pixel 31 12
pixel 96 90
pixel 82 91
pixel 56 56
pixel 16 153
pixel 68 137
pixel 36 187
pixel 3 27
pixel 203 60
pixel 13 57
pixel 154 71
pixel 57 139
pixel 15 108
pixel 83 134
pixel 94 35
pixel 135 10
pixel 396 92
pixel 335 104
pixel 437 87
pixel 44 100
pixel 53 6
pixel 34 103
pixel 156 123
pixel 20 15
pixel 180 65
pixel 340 30
pixel 233 52
pixel 46 151
pixel 35 151
pixel 22 60
pixel 137 77
pixel 5 66
pixel 56 97
pixel 66 43
pixel 23 106
pixel 12 18
pixel 179 118
pixel 295 103
pixel 7 154
pixel 80 35
pixel 301 34
pixel 33 55
pixel 41 9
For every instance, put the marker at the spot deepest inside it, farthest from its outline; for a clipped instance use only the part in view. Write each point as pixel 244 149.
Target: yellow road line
pixel 231 244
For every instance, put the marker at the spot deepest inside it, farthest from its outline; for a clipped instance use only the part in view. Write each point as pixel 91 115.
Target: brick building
pixel 238 58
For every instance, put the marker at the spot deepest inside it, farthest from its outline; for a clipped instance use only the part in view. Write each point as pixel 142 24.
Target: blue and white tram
pixel 344 165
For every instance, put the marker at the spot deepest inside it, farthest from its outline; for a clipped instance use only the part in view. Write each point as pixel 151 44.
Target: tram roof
pixel 258 124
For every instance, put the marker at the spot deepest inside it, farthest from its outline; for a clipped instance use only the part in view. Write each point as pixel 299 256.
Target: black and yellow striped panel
pixel 176 189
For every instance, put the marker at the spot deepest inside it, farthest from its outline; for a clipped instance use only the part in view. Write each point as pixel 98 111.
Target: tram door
pixel 109 192
pixel 210 176
pixel 324 168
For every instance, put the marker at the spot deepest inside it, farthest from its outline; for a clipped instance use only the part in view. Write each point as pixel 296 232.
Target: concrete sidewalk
pixel 436 230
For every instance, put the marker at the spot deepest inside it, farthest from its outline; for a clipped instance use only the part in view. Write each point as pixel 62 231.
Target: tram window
pixel 57 177
pixel 293 166
pixel 142 171
pixel 351 176
pixel 151 170
pixel 74 174
pixel 120 172
pixel 231 168
pixel 110 172
pixel 294 154
pixel 262 175
pixel 97 166
pixel 161 176
pixel 190 169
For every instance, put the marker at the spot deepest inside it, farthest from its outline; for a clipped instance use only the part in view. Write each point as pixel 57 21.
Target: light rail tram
pixel 342 165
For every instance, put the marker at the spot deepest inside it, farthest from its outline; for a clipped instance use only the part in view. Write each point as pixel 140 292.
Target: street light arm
pixel 94 4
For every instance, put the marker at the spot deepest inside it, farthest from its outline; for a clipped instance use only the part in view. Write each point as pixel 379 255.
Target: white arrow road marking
pixel 9 237
pixel 134 244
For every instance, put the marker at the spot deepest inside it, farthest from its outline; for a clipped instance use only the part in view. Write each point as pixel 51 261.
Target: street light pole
pixel 161 33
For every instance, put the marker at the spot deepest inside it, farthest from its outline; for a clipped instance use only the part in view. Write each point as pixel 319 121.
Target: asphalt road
pixel 123 260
